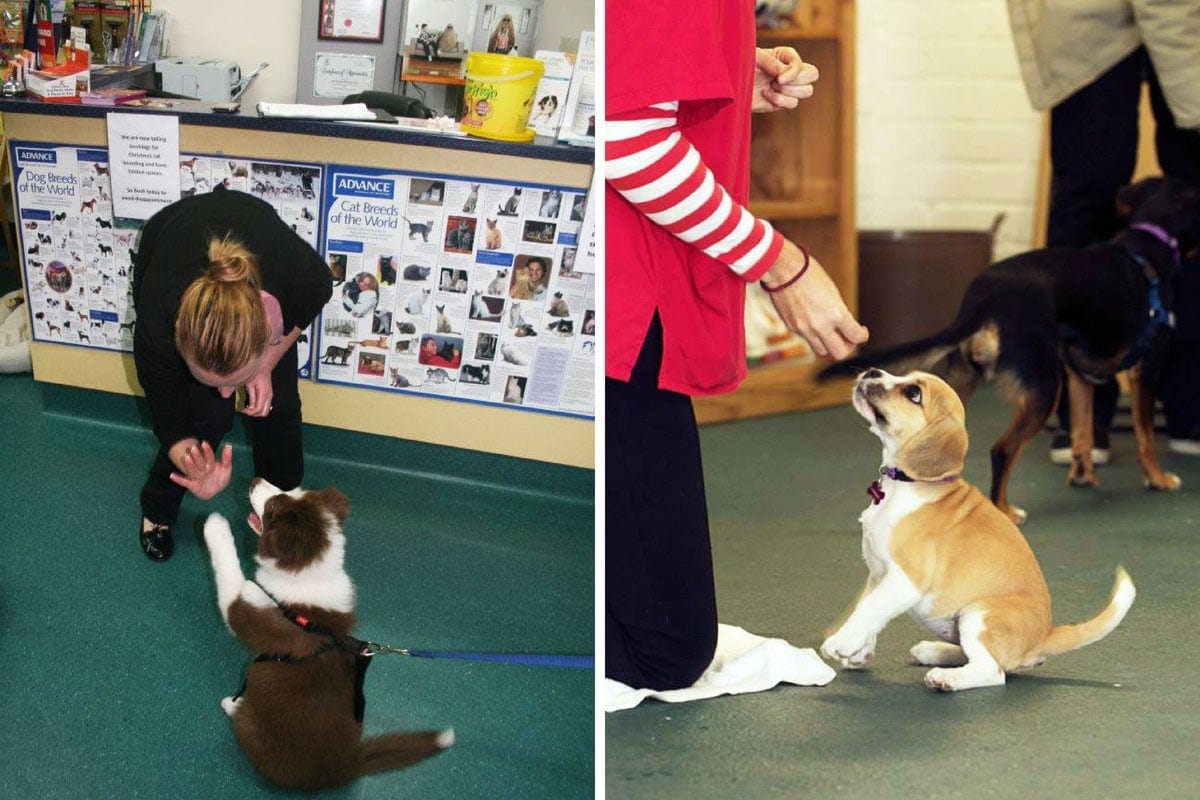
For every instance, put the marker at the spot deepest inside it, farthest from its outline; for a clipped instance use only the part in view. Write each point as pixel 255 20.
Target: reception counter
pixel 438 171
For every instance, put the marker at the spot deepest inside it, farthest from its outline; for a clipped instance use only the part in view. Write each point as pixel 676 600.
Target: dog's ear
pixel 937 451
pixel 336 502
pixel 1133 195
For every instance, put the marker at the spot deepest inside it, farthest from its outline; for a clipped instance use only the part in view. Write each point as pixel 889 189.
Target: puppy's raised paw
pixel 217 532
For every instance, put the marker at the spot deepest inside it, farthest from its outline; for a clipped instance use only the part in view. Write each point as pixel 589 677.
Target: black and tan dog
pixel 1091 312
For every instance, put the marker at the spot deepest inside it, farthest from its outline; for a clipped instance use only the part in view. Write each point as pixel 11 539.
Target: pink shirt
pixel 274 316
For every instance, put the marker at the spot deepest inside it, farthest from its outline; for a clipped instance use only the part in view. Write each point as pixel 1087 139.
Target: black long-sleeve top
pixel 173 251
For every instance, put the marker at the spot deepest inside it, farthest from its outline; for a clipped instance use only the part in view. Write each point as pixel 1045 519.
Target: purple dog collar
pixel 1161 235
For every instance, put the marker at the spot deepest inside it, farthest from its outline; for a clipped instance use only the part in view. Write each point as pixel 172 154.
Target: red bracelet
pixel 790 281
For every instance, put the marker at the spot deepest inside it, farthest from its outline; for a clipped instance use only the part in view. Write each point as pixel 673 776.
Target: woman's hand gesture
pixel 205 476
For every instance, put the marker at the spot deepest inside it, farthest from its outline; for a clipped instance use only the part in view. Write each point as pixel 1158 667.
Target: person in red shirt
pixel 431 355
pixel 682 80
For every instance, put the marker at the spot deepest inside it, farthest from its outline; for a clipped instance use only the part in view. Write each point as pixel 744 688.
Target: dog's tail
pixel 1065 638
pixel 391 751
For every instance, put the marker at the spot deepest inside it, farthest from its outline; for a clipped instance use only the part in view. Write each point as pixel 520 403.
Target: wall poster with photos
pixel 78 256
pixel 457 288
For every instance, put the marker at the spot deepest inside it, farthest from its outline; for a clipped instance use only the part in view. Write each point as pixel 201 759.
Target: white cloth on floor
pixel 743 663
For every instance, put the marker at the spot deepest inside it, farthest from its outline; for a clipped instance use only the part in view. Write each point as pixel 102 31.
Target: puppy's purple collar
pixel 1161 235
pixel 875 490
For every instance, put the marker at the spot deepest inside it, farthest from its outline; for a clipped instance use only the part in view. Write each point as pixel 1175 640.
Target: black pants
pixel 661 608
pixel 275 440
pixel 1093 151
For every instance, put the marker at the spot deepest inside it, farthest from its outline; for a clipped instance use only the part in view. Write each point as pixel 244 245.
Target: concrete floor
pixel 1120 718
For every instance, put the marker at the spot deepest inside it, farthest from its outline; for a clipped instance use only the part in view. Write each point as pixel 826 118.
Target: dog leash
pixel 528 659
pixel 369 649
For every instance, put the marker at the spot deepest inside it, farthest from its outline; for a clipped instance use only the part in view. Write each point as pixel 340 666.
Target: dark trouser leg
pixel 276 439
pixel 1179 156
pixel 661 610
pixel 1179 386
pixel 212 417
pixel 1093 149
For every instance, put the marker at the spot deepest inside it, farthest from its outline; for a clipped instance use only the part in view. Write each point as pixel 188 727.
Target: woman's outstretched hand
pixel 203 475
pixel 813 306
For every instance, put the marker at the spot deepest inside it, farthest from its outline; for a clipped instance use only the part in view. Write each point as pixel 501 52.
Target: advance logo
pixel 364 186
pixel 35 156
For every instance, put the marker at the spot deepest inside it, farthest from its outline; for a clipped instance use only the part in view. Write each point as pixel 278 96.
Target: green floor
pixel 1120 718
pixel 114 666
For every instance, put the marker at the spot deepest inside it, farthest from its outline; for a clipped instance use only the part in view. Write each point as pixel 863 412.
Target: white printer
pixel 209 79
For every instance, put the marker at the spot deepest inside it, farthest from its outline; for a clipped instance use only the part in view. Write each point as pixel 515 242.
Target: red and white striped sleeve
pixel 651 164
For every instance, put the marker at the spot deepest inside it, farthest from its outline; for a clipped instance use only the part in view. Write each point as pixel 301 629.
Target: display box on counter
pixel 64 83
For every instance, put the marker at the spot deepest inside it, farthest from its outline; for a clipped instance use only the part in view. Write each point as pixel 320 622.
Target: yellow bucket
pixel 499 96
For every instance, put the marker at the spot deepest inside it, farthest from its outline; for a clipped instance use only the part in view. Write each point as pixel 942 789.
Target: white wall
pixel 250 31
pixel 245 31
pixel 564 19
pixel 946 135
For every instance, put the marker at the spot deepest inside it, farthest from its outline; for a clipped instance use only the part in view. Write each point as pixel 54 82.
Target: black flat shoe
pixel 157 543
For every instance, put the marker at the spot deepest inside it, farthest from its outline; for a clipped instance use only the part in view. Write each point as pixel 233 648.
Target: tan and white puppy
pixel 940 550
pixel 299 716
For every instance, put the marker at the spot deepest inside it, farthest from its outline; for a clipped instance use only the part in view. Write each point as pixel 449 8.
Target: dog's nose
pixel 871 374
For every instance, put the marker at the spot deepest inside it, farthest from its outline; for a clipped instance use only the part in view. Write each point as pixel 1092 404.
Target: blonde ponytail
pixel 222 326
pixel 229 260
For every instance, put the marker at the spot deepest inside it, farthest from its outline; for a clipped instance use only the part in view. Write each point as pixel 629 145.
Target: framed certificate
pixel 351 20
pixel 341 74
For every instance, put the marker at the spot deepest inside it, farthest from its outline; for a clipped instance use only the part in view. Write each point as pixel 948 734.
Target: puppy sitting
pixel 940 550
pixel 299 716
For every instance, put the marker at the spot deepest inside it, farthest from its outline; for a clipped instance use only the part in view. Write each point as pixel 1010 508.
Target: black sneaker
pixel 1060 449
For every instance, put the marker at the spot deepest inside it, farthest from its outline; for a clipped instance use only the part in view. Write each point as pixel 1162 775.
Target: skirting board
pixel 473 426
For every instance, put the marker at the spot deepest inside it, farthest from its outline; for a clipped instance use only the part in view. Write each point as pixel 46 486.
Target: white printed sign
pixel 143 151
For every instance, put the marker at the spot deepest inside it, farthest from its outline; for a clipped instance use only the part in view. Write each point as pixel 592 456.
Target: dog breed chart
pixel 457 288
pixel 79 257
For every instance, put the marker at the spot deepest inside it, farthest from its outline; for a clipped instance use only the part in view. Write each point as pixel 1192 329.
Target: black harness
pixel 333 641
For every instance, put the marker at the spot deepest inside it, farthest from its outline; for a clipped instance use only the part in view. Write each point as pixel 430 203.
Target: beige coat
pixel 1063 45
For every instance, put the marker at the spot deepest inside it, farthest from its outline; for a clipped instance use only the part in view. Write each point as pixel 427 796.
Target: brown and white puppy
pixel 940 550
pixel 299 717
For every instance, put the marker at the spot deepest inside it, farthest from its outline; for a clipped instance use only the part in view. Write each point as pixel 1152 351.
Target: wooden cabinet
pixel 802 180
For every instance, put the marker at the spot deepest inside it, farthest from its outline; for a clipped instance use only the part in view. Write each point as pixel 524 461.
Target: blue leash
pixel 360 647
pixel 529 659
